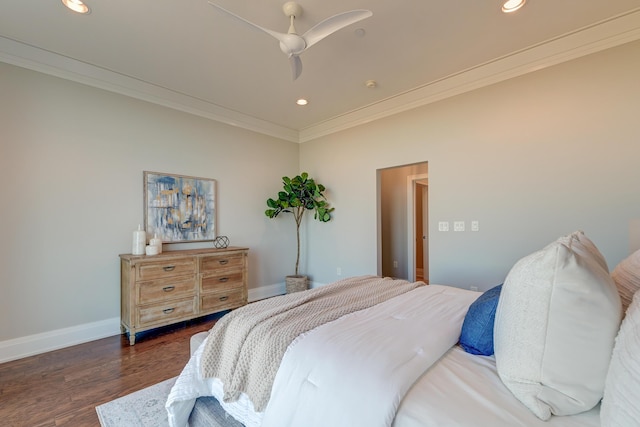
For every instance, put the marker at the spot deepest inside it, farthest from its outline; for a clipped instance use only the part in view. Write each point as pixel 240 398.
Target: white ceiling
pixel 187 55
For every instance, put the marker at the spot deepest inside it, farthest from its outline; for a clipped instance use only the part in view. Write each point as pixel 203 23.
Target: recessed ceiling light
pixel 302 101
pixel 76 6
pixel 512 5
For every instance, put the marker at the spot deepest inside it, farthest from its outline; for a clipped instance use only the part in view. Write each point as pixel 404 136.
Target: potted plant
pixel 299 194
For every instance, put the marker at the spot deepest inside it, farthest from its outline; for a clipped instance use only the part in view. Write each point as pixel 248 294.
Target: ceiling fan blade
pixel 296 66
pixel 281 37
pixel 333 24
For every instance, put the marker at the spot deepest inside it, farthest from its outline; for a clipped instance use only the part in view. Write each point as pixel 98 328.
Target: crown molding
pixel 33 58
pixel 604 35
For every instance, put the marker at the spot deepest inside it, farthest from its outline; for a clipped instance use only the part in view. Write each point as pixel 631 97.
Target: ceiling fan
pixel 293 44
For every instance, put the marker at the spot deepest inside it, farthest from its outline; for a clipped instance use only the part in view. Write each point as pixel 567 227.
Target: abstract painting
pixel 179 208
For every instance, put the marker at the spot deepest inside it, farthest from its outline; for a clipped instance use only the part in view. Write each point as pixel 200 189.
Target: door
pixel 417 227
pixel 421 230
pixel 425 233
pixel 419 233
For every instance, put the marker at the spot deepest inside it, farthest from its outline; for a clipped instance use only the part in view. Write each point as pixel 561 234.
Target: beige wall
pixel 531 159
pixel 71 166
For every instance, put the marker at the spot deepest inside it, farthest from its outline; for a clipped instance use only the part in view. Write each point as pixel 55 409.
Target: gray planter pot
pixel 296 283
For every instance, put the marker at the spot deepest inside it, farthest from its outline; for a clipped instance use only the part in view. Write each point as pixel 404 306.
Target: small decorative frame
pixel 179 208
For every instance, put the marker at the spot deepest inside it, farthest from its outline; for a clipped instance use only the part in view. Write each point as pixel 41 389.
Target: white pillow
pixel 626 275
pixel 556 321
pixel 620 406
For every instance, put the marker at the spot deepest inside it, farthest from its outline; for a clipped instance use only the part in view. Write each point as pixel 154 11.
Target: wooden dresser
pixel 175 286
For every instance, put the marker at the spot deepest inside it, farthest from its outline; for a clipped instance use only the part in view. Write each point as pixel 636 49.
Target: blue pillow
pixel 477 329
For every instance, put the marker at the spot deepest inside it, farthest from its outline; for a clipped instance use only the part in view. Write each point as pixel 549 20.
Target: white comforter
pixel 353 371
pixel 356 370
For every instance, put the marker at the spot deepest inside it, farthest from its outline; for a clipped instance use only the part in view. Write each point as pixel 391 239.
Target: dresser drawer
pixel 175 286
pixel 168 288
pixel 216 262
pixel 220 280
pixel 167 312
pixel 167 268
pixel 217 301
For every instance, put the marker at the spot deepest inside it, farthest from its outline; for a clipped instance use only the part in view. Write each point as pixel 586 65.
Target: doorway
pixel 403 222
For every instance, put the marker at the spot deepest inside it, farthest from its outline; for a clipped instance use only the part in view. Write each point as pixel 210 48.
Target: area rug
pixel 145 408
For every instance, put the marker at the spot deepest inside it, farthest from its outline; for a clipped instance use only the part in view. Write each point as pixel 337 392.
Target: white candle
pixel 157 242
pixel 139 241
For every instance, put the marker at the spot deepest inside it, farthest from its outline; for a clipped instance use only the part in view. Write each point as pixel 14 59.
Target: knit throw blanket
pixel 245 347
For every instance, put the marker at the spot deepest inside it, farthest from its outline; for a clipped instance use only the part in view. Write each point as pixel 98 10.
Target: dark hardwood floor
pixel 63 387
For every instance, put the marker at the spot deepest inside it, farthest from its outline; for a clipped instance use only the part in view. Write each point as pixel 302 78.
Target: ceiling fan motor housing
pixel 292 44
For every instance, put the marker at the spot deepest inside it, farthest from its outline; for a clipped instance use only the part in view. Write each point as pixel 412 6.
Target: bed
pixel 403 362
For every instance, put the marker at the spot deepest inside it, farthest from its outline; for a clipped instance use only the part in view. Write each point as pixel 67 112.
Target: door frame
pixel 411 223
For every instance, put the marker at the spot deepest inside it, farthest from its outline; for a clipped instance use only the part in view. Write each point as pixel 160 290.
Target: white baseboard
pixel 30 345
pixel 274 290
pixel 263 292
